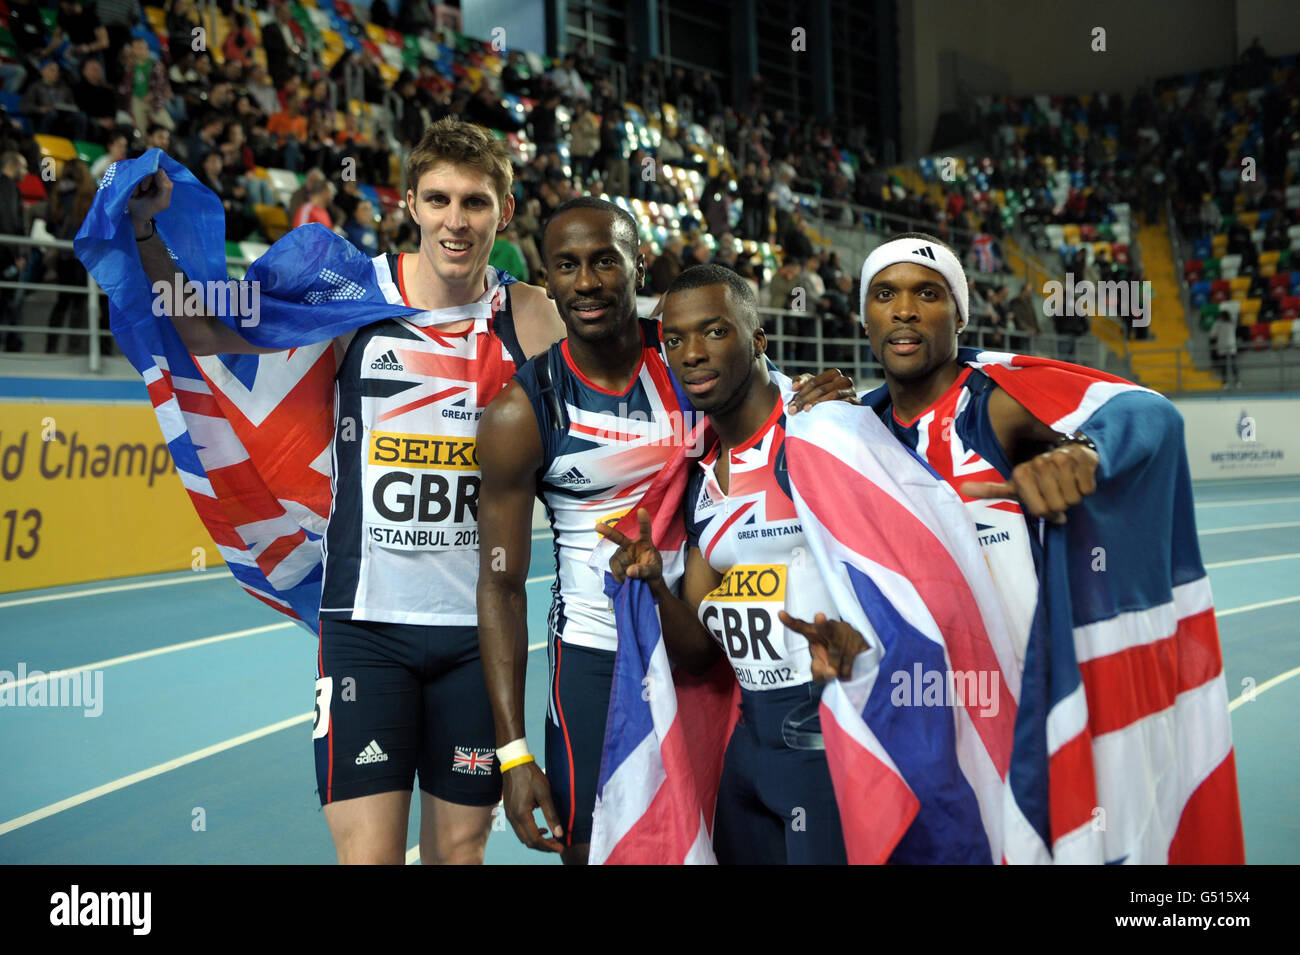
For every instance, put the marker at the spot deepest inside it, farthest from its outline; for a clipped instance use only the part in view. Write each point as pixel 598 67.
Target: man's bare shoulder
pixel 537 323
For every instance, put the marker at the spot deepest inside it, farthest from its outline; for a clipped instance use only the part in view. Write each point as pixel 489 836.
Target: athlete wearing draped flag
pixel 1078 486
pixel 406 351
pixel 747 563
pixel 788 522
pixel 586 427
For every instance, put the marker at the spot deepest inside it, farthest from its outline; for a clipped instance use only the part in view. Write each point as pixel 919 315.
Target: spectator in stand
pixel 1024 316
pixel 783 283
pixel 50 102
pixel 485 109
pixel 284 43
pixel 182 20
pixel 506 254
pixel 158 137
pixel 116 152
pixel 28 29
pixel 96 99
pixel 516 77
pixel 613 155
pixel 667 266
pixel 206 138
pixel 584 140
pixel 238 47
pixel 415 18
pixel 545 123
pixel 1223 344
pixel 314 179
pixel 240 222
pixel 360 228
pixel 782 199
pixel 753 197
pixel 316 208
pixel 262 90
pixel 794 239
pixel 69 202
pixel 145 86
pixel 568 81
pixel 78 35
pixel 812 276
pixel 13 169
pixel 118 18
pixel 839 320
pixel 1275 234
pixel 239 164
pixel 1210 217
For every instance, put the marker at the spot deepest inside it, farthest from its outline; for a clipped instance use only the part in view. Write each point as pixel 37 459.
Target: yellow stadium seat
pixel 1280 331
pixel 1239 287
pixel 377 34
pixel 389 73
pixel 259 56
pixel 1249 309
pixel 157 18
pixel 1071 234
pixel 259 172
pixel 56 146
pixel 1250 219
pixel 1268 262
pixel 329 56
pixel 1101 250
pixel 1219 243
pixel 274 220
pixel 1238 203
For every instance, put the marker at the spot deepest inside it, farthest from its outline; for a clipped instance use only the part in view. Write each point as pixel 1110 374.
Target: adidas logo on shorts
pixel 372 754
pixel 387 362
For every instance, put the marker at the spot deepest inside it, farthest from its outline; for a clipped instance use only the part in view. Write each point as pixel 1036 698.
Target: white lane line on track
pixel 118 588
pixel 1248 527
pixel 1266 685
pixel 1266 500
pixel 1250 560
pixel 83 797
pixel 1259 606
pixel 157 651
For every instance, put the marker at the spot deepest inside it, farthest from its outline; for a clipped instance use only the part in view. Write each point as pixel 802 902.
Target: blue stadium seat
pixel 1201 248
pixel 11 102
pixel 1200 293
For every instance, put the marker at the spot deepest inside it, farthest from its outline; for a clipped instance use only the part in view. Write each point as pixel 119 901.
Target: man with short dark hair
pixel 96 99
pixel 1077 479
pixel 586 427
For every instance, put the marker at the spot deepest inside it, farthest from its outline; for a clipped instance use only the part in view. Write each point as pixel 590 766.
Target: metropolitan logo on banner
pixel 1232 438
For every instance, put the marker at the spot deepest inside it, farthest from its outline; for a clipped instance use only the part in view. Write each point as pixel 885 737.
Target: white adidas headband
pixel 918 252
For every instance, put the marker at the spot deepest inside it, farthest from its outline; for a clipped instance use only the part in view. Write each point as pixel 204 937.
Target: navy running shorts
pixel 575 733
pixel 396 699
pixel 776 804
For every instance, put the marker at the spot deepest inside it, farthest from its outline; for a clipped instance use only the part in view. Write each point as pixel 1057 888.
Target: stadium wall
pixel 1242 436
pixel 1035 47
pixel 87 488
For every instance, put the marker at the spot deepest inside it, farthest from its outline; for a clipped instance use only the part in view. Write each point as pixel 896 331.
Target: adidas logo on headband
pixel 924 250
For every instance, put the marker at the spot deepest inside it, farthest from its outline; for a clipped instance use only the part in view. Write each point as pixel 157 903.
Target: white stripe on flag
pixel 1142 627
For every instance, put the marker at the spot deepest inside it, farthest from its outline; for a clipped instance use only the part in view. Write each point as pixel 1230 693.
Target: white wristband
pixel 512 751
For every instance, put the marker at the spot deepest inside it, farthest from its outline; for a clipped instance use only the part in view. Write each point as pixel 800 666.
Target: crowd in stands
pixel 294 114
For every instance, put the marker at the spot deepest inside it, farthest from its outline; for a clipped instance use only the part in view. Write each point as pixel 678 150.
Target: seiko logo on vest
pixel 745 631
pixel 415 492
pixel 388 361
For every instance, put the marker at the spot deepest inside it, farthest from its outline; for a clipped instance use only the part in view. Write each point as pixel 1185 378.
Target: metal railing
pixel 796 344
pixel 90 290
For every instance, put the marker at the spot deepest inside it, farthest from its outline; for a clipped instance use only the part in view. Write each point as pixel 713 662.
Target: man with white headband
pixel 1078 485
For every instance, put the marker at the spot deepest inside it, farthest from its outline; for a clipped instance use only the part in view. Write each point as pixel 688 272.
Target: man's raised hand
pixel 833 643
pixel 1047 484
pixel 634 558
pixel 152 195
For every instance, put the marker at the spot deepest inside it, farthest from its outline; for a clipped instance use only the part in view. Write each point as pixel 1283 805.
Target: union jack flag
pixel 476 762
pixel 250 434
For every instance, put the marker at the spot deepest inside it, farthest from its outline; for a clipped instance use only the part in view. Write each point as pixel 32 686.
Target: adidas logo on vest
pixel 387 362
pixel 574 476
pixel 372 754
